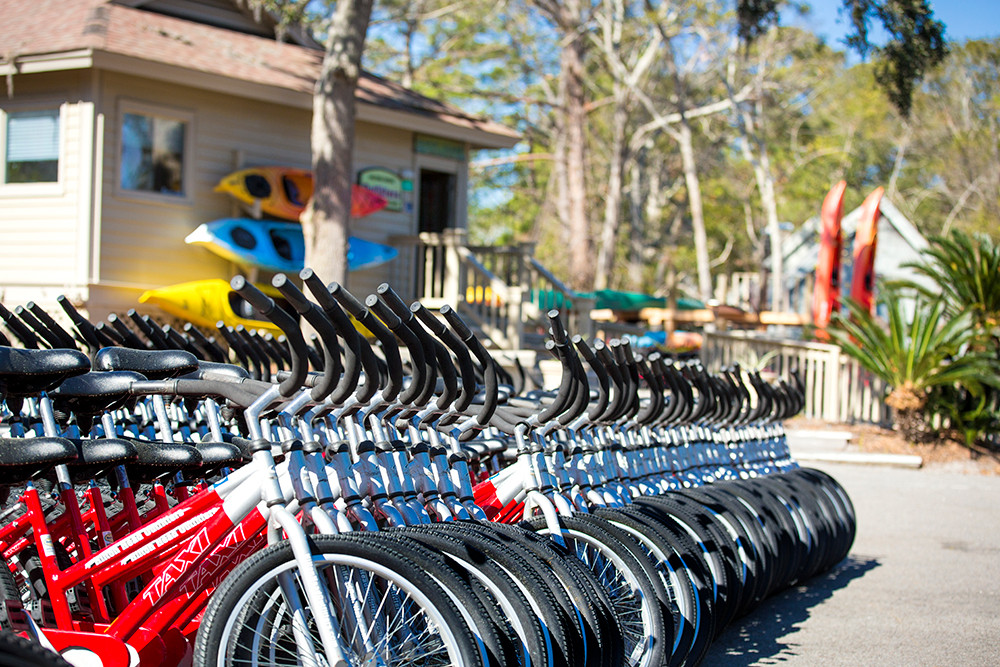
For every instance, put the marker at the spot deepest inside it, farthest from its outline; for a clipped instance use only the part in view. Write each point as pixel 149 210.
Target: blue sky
pixel 963 19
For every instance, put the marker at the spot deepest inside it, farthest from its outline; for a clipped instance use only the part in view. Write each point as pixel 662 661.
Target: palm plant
pixel 967 271
pixel 932 350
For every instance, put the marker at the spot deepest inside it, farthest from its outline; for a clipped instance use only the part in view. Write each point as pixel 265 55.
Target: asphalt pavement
pixel 921 585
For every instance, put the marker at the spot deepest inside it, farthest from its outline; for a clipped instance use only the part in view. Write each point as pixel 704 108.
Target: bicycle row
pixel 396 500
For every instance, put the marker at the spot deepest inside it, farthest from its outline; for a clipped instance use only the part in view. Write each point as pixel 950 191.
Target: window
pixel 153 151
pixel 32 147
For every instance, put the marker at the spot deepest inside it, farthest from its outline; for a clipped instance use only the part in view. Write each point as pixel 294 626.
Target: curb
pixel 912 462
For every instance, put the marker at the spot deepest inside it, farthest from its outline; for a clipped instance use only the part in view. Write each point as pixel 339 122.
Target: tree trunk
pixel 685 141
pixel 326 219
pixel 581 253
pixel 613 197
pixel 637 227
pixel 765 185
pixel 765 182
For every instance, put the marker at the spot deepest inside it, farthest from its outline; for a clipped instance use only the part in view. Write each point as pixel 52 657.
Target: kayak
pixel 826 290
pixel 865 242
pixel 206 302
pixel 284 192
pixel 277 246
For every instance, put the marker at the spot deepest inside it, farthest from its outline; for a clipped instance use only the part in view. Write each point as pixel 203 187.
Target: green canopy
pixel 616 300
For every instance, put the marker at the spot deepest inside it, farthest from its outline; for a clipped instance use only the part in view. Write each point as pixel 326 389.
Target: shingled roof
pixel 42 35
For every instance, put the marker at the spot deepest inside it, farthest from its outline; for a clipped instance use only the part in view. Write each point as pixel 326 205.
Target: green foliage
pixel 975 416
pixel 755 17
pixel 950 178
pixel 966 272
pixel 916 44
pixel 929 349
pixel 925 356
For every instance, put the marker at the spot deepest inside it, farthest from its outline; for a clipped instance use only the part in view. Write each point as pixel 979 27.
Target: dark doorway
pixel 437 201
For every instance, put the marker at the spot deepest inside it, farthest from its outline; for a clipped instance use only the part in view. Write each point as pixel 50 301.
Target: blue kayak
pixel 277 246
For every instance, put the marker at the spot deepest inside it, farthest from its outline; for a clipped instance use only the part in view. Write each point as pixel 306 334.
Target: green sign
pixel 384 182
pixel 440 147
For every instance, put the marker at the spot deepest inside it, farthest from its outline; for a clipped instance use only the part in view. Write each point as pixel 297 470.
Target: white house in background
pixel 899 243
pixel 120 116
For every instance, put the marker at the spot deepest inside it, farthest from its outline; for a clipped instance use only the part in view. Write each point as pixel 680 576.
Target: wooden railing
pixel 838 389
pixel 493 305
pixel 503 290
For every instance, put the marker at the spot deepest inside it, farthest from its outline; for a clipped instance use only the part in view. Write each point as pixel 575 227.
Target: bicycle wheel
pixel 530 624
pixel 16 651
pixel 389 611
pixel 593 637
pixel 625 570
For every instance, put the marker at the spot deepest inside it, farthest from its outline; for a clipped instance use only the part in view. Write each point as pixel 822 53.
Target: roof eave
pixel 463 130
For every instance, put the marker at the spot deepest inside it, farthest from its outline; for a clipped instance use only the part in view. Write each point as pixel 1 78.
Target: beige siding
pixel 392 149
pixel 138 242
pixel 142 243
pixel 43 227
pixel 142 239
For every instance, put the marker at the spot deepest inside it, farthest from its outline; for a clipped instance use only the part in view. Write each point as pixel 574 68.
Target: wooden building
pixel 95 87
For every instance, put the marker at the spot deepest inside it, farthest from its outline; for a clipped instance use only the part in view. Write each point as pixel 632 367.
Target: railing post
pixel 831 397
pixel 452 287
pixel 514 307
pixel 584 322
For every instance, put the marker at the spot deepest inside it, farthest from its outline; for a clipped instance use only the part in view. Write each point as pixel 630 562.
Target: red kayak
pixel 826 291
pixel 284 192
pixel 865 240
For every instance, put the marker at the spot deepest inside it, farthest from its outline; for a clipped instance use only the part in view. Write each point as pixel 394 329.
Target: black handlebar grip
pixel 131 340
pixel 603 379
pixel 266 306
pixel 391 322
pixel 43 332
pixel 467 370
pixel 292 294
pixel 17 327
pixel 558 331
pixel 144 327
pixel 82 324
pixel 109 335
pixel 53 326
pixel 347 300
pixel 389 318
pixel 330 348
pixel 433 324
pixel 381 331
pixel 214 352
pixel 461 329
pixel 393 301
pixel 490 384
pixel 426 346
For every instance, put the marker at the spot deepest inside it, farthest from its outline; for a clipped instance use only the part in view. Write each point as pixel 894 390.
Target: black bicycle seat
pixel 97 456
pixel 218 455
pixel 154 364
pixel 22 459
pixel 95 392
pixel 30 372
pixel 160 459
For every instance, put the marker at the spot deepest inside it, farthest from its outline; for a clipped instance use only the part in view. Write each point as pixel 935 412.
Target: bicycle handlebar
pixel 390 349
pixel 327 335
pixel 265 306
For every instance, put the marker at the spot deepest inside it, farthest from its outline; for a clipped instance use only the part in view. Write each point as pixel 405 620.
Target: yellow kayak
pixel 205 302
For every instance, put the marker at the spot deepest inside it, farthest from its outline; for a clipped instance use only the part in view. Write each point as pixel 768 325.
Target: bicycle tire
pixel 636 587
pixel 441 621
pixel 16 651
pixel 519 629
pixel 586 603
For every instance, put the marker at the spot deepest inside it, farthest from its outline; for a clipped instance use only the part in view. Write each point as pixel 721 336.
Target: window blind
pixel 33 136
